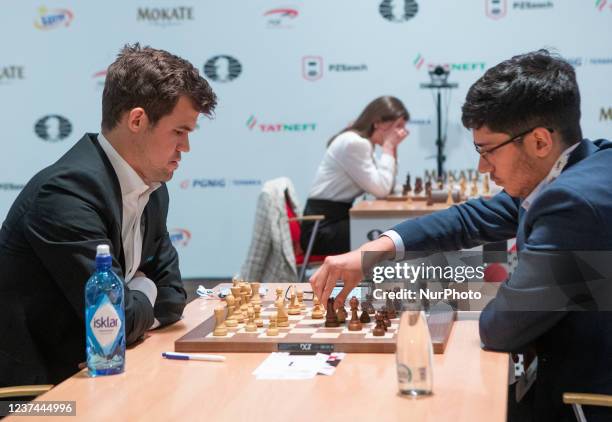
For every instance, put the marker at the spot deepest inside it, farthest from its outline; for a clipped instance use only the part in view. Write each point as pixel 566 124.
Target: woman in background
pixel 349 169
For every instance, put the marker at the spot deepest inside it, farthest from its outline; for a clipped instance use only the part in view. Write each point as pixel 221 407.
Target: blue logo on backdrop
pixel 53 128
pixel 222 68
pixel 398 10
pixel 179 237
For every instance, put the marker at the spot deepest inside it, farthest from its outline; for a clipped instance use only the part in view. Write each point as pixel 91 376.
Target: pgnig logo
pixel 53 128
pixel 203 183
pixel 398 10
pixel 54 18
pixel 179 237
pixel 222 68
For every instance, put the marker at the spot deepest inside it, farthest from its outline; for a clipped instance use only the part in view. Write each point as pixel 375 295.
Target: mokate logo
pixel 605 115
pixel 11 73
pixel 165 16
pixel 179 237
pixel 53 128
pixel 222 68
pixel 281 17
pixel 54 18
pixel 279 127
pixel 398 10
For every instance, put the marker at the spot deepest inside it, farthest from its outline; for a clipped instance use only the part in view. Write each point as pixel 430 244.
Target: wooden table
pixel 368 219
pixel 469 385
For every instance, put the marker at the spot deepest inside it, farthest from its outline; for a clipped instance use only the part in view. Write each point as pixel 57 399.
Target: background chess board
pixel 303 329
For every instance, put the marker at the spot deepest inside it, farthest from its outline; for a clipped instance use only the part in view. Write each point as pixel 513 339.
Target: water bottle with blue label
pixel 105 318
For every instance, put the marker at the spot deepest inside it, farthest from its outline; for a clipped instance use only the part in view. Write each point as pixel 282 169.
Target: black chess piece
pixel 365 317
pixel 341 314
pixel 418 186
pixel 380 329
pixel 331 320
pixel 386 319
pixel 390 307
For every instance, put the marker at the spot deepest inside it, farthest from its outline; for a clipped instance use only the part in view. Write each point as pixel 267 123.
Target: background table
pixel 469 385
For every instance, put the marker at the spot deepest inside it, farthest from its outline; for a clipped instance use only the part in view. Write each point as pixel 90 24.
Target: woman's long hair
pixel 382 109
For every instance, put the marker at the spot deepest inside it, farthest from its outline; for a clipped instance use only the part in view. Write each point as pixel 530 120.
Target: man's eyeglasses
pixel 518 137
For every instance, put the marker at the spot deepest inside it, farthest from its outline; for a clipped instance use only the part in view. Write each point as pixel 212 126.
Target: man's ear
pixel 137 120
pixel 543 142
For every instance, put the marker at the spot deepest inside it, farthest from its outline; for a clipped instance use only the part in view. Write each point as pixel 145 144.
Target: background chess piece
pixel 251 327
pixel 365 317
pixel 418 186
pixel 485 184
pixel 258 320
pixel 300 297
pixel 255 298
pixel 354 324
pixel 331 320
pixel 294 306
pixel 429 202
pixel 220 328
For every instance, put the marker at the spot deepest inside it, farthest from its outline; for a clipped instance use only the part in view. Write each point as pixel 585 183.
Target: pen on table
pixel 193 356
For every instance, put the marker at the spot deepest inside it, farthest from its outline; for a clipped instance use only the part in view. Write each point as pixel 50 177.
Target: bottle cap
pixel 103 250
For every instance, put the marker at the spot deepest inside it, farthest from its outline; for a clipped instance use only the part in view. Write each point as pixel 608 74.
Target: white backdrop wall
pixel 53 55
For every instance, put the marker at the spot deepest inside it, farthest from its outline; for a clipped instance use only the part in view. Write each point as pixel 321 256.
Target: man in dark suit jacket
pixel 557 200
pixel 48 241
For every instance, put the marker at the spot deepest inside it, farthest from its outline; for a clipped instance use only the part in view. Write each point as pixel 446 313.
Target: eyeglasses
pixel 518 137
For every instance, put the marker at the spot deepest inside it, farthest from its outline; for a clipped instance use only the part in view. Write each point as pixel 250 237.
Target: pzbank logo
pixel 180 237
pixel 222 68
pixel 398 10
pixel 496 9
pixel 53 128
pixel 54 18
pixel 281 17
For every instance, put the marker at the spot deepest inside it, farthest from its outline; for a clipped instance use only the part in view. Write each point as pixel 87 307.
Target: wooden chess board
pixel 304 330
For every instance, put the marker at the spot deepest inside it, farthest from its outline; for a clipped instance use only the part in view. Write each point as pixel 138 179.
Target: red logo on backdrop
pixel 185 183
pixel 312 67
pixel 180 237
pixel 281 17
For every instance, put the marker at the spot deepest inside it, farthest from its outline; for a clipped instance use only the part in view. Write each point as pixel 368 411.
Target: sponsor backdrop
pixel 288 76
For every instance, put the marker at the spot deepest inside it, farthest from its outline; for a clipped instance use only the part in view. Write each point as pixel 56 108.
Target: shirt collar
pixel 130 182
pixel 554 172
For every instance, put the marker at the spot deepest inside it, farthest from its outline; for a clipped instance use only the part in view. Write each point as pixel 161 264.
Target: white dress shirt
pixel 349 169
pixel 135 196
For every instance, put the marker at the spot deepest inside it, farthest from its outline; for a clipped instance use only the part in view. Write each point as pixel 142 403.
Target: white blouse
pixel 349 169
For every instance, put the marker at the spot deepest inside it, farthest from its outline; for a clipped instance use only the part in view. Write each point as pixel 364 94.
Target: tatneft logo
pixel 280 17
pixel 53 128
pixel 11 186
pixel 53 18
pixel 179 237
pixel 312 67
pixel 398 10
pixel 165 16
pixel 602 5
pixel 11 73
pixel 605 115
pixel 222 68
pixel 252 123
pixel 419 61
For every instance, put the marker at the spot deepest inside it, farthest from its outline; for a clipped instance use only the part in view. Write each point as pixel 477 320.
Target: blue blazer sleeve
pixel 462 226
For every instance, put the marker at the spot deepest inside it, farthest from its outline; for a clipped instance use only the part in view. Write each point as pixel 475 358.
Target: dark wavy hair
pixel 382 109
pixel 537 89
pixel 154 80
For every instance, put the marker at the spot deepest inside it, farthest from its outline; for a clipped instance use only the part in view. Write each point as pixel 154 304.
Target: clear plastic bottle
pixel 414 355
pixel 104 318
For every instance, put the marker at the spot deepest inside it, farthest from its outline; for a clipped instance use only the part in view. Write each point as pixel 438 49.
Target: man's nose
pixel 484 166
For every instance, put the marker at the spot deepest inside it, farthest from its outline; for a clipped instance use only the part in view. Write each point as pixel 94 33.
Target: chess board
pixel 304 330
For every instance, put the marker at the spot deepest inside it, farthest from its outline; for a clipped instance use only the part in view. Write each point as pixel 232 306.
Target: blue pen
pixel 193 356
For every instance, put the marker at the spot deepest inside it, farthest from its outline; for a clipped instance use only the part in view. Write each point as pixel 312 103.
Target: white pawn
pixel 220 328
pixel 272 330
pixel 251 327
